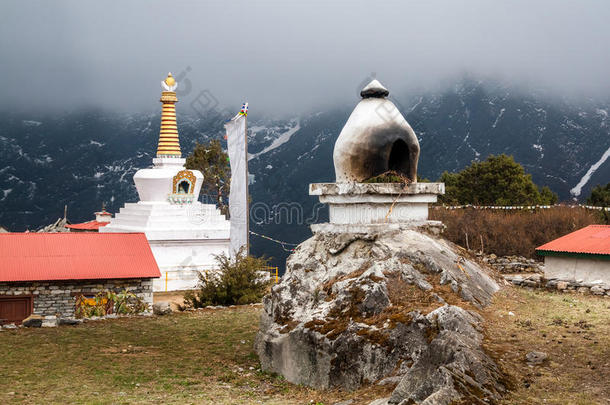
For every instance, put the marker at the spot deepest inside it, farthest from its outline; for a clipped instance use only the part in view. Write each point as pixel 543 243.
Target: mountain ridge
pixel 84 158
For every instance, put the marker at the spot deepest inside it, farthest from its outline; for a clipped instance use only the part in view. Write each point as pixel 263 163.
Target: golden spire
pixel 169 143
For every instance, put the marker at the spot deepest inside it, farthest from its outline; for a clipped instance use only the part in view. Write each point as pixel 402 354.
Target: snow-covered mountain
pixel 84 158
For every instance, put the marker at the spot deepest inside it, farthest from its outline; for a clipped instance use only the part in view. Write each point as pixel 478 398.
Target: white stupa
pixel 183 233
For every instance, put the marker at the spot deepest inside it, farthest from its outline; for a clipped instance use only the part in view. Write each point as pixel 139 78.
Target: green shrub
pixel 238 281
pixel 391 176
pixel 127 302
pixel 600 196
pixel 211 160
pixel 499 180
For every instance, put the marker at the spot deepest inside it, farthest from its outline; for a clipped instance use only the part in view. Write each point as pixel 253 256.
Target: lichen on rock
pixel 356 308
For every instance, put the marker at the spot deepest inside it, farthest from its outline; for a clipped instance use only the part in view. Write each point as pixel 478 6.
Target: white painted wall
pixel 181 261
pixel 377 213
pixel 366 203
pixel 577 268
pixel 154 184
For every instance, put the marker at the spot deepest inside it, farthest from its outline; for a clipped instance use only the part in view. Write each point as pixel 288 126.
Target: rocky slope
pixel 383 305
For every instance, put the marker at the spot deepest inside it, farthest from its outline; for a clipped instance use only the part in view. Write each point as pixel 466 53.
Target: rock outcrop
pixel 381 304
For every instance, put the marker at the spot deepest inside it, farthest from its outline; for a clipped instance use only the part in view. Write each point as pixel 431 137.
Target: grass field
pixel 206 357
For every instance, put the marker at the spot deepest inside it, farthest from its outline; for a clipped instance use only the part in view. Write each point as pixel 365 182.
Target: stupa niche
pixel 183 233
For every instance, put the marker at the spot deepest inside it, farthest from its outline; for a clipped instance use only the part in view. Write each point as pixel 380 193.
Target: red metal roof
pixel 593 239
pixel 88 226
pixel 75 256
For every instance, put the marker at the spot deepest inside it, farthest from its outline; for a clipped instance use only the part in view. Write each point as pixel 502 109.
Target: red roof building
pixel 90 226
pixel 581 257
pixel 102 219
pixel 591 240
pixel 42 273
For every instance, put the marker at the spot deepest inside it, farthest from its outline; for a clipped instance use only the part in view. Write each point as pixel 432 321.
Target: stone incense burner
pixel 376 139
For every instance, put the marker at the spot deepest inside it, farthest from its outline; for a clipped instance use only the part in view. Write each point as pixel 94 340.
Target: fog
pixel 287 56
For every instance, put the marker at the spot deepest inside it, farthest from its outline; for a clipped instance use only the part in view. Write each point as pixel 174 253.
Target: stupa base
pixel 432 227
pixel 377 203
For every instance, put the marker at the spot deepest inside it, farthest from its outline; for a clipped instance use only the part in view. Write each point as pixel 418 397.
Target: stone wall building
pixel 581 257
pixel 44 273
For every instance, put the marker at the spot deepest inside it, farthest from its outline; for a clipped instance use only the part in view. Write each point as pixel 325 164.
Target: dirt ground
pixel 572 329
pixel 175 298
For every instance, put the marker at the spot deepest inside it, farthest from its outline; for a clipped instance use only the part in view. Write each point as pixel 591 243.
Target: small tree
pixel 547 196
pixel 600 196
pixel 499 180
pixel 211 160
pixel 240 281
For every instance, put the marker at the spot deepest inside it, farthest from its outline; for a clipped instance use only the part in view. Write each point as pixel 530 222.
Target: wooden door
pixel 14 309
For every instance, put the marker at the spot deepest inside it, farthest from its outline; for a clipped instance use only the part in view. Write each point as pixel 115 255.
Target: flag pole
pixel 247 187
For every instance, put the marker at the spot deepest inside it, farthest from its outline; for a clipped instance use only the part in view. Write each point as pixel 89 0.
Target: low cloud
pixel 284 57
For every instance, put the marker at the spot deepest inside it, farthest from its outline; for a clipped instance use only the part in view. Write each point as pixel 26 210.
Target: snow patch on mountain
pixel 539 148
pixel 498 117
pixel 416 104
pixel 46 159
pixel 279 141
pixel 476 152
pixel 603 114
pixel 585 179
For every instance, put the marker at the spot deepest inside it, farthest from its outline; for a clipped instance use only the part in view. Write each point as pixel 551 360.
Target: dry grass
pixel 574 330
pixel 205 357
pixel 512 232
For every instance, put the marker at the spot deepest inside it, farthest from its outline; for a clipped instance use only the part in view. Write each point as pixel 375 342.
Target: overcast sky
pixel 284 56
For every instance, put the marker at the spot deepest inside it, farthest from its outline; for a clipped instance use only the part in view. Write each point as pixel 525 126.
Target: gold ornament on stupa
pixel 169 143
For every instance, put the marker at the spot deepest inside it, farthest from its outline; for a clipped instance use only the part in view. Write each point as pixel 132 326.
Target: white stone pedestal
pixel 377 203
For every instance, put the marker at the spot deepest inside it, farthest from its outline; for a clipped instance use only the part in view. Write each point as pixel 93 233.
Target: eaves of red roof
pixel 75 256
pixel 88 226
pixel 590 240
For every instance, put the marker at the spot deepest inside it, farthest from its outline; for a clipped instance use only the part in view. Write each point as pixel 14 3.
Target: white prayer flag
pixel 238 199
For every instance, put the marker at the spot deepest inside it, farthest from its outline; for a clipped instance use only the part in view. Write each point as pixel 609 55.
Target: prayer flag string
pixel 281 243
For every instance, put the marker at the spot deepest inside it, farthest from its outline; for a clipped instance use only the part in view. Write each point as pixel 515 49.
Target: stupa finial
pixel 169 84
pixel 374 89
pixel 169 143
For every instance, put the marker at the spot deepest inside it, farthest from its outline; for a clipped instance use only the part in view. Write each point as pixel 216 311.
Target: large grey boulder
pixel 355 308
